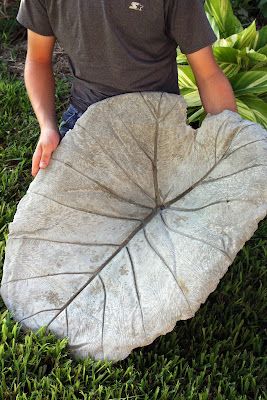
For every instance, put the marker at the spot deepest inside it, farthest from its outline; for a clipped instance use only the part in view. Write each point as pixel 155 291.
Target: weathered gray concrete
pixel 133 223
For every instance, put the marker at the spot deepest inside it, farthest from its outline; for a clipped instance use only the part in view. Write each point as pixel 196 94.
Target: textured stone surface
pixel 133 223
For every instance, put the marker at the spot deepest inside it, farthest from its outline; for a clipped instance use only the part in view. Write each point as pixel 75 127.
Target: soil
pixel 13 53
pixel 14 57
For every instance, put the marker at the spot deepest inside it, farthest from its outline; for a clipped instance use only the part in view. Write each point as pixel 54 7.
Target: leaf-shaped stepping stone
pixel 134 222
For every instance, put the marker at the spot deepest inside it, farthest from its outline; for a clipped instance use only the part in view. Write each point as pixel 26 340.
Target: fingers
pixel 45 158
pixel 48 142
pixel 36 159
pixel 40 158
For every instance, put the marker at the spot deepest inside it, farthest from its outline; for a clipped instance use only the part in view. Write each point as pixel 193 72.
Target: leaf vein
pixel 86 211
pixel 136 289
pixel 168 267
pixel 103 317
pixel 197 239
pixel 108 154
pixel 103 187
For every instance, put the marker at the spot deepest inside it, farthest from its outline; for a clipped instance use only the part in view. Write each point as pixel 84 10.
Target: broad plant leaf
pixel 196 115
pixel 253 108
pixel 236 51
pixel 186 77
pixel 244 110
pixel 263 50
pixel 229 60
pixel 261 38
pixel 263 7
pixel 188 86
pixel 226 42
pixel 257 61
pixel 133 223
pixel 214 25
pixel 247 38
pixel 249 82
pixel 222 12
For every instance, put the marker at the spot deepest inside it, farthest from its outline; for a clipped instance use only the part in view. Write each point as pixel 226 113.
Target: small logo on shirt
pixel 136 6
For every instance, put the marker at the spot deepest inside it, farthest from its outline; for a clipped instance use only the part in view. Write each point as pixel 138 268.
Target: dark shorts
pixel 69 119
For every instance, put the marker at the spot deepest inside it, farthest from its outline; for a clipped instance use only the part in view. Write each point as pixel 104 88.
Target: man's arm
pixel 215 90
pixel 40 85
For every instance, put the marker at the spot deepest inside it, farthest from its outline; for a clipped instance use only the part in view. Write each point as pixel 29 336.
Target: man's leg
pixel 69 119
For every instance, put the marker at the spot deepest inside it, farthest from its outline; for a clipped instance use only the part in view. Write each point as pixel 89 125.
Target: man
pixel 115 47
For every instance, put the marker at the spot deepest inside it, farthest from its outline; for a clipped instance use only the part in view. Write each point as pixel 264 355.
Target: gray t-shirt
pixel 120 46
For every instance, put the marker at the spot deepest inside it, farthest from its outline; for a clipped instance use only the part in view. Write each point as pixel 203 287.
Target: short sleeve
pixel 33 15
pixel 188 24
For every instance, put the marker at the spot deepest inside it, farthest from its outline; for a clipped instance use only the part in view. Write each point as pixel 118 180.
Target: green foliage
pixel 241 53
pixel 247 9
pixel 8 23
pixel 263 7
pixel 225 21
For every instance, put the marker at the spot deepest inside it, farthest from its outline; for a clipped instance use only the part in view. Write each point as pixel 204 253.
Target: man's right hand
pixel 47 143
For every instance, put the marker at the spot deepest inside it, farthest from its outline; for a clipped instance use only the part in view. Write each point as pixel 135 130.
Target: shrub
pixel 241 53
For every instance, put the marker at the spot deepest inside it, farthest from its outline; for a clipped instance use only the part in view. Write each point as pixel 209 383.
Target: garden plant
pixel 242 55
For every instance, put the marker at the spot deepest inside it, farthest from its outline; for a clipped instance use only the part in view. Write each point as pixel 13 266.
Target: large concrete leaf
pixel 134 222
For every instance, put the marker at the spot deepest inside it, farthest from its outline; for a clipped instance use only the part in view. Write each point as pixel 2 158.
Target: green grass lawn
pixel 218 354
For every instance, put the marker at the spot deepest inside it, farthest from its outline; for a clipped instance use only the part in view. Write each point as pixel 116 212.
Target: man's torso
pixel 120 46
pixel 114 47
